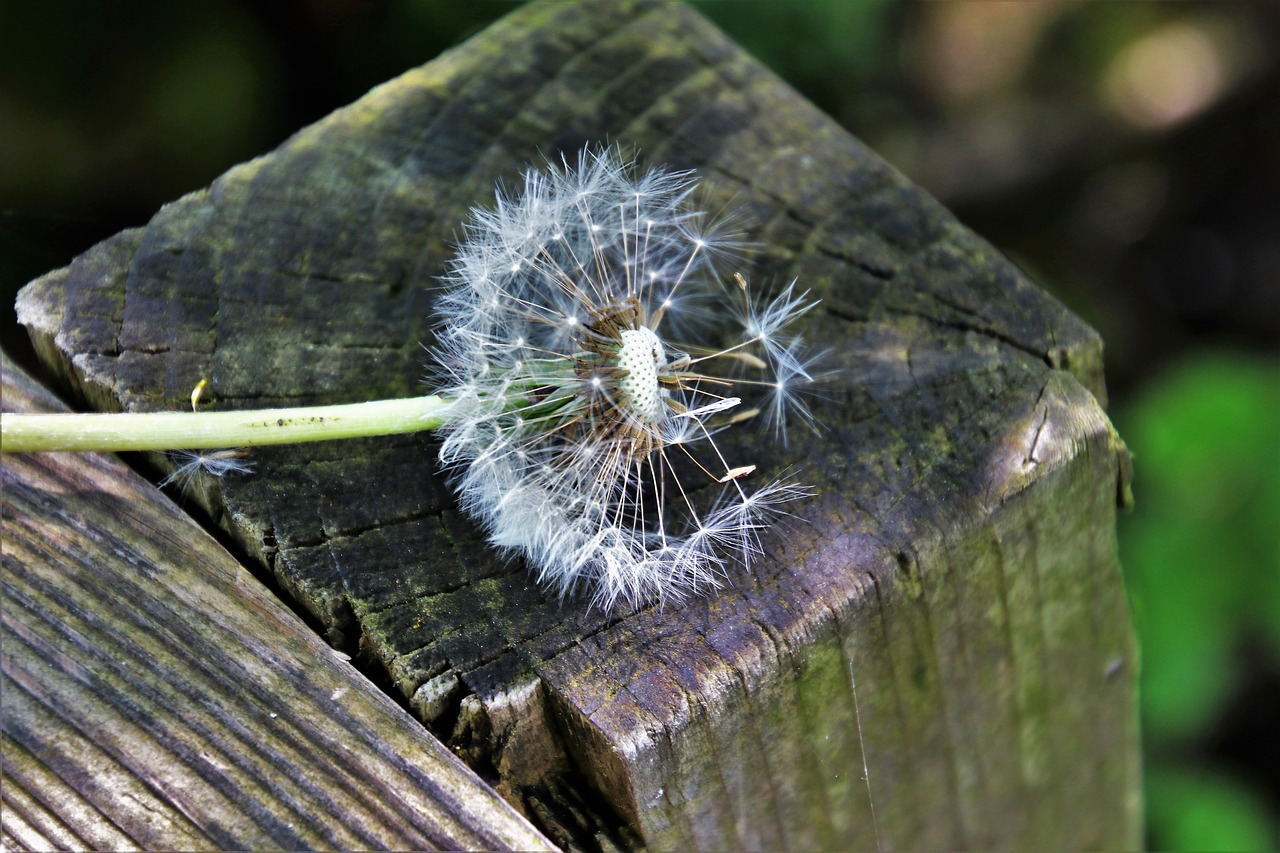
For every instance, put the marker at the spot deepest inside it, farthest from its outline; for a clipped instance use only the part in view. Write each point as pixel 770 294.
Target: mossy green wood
pixel 934 652
pixel 155 696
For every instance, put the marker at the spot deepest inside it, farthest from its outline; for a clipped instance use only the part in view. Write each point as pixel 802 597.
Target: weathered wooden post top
pixel 934 651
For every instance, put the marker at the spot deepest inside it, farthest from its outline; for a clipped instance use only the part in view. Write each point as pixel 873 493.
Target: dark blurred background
pixel 1126 154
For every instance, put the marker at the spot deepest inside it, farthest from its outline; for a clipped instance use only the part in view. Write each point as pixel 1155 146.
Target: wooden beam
pixel 935 652
pixel 156 696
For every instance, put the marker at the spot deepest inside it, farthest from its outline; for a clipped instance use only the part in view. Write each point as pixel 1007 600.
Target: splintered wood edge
pixel 156 695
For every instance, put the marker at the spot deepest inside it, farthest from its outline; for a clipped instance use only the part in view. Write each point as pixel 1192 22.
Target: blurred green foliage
pixel 1201 553
pixel 1202 549
pixel 1197 809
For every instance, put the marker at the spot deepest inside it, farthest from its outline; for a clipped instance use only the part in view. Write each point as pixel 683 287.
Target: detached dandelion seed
pixel 216 463
pixel 583 415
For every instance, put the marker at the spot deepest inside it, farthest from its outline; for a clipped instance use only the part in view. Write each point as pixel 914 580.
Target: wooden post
pixel 935 652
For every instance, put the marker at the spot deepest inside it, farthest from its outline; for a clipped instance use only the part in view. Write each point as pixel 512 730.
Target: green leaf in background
pixel 1206 811
pixel 1202 549
pixel 1202 556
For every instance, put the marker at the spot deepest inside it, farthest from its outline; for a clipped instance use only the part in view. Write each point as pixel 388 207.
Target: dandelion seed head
pixel 586 403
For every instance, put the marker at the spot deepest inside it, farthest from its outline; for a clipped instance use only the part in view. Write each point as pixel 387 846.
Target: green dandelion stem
pixel 204 430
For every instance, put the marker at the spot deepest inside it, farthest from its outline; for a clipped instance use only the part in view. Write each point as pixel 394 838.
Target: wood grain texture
pixel 947 612
pixel 155 696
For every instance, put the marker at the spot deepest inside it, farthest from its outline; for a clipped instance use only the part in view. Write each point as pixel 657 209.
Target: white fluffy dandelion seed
pixel 581 428
pixel 216 463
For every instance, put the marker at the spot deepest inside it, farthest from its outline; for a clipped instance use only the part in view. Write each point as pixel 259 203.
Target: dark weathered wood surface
pixel 155 696
pixel 935 652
